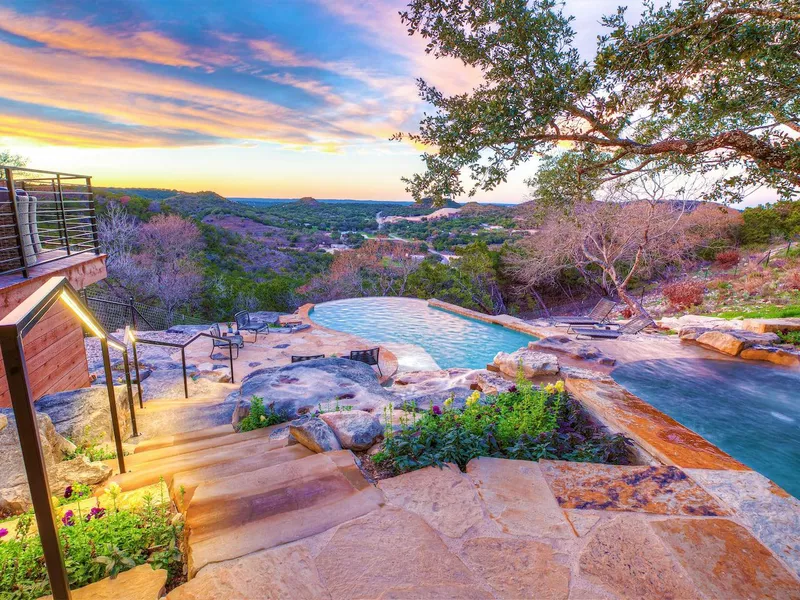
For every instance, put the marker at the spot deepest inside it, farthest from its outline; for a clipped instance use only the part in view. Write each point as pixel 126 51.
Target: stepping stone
pixel 517 568
pixel 663 490
pixel 283 572
pixel 625 557
pixel 150 472
pixel 517 497
pixel 392 553
pixel 444 497
pixel 725 561
pixel 139 583
pixel 186 482
pixel 276 505
pixel 183 438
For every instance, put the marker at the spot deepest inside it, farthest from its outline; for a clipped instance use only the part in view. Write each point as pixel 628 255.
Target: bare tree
pixel 169 269
pixel 631 230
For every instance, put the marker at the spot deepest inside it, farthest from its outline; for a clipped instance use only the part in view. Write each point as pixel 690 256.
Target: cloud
pixel 87 40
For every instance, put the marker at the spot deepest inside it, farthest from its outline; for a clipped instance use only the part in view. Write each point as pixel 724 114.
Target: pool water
pixel 752 412
pixel 452 340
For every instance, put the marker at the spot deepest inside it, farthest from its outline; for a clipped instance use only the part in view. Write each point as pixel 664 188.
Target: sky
pixel 261 98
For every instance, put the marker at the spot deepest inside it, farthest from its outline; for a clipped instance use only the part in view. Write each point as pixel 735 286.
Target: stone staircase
pixel 245 492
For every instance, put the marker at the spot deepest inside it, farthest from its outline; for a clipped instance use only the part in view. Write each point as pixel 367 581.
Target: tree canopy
pixel 701 86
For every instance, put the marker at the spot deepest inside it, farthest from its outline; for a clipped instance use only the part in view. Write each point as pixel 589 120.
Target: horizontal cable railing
pixel 44 216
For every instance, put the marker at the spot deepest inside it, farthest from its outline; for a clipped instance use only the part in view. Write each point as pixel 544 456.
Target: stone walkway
pixel 503 529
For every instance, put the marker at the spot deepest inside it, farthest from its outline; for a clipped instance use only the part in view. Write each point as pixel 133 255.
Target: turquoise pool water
pixel 750 411
pixel 451 340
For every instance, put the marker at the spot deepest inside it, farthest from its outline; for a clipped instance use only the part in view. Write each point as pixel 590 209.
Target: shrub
pixel 683 294
pixel 790 337
pixel 728 259
pixel 525 424
pixel 95 543
pixel 792 279
pixel 260 416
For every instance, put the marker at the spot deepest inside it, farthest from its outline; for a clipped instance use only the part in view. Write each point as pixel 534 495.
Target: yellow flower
pixel 474 397
pixel 263 418
pixel 550 388
pixel 449 402
pixel 559 386
pixel 113 490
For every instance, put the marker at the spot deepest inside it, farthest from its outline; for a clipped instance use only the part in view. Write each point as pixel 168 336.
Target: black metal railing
pixel 44 216
pixel 13 329
pixel 115 314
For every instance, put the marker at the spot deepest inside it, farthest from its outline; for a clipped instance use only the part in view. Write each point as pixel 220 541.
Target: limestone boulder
pixel 590 374
pixel 774 354
pixel 678 323
pixel 492 384
pixel 301 388
pixel 568 346
pixel 355 429
pixel 734 341
pixel 78 469
pixel 14 493
pixel 85 414
pixel 771 325
pixel 424 389
pixel 532 362
pixel 315 434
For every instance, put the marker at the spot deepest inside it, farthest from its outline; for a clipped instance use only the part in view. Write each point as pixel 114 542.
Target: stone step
pixel 140 458
pixel 256 510
pixel 186 482
pixel 149 472
pixel 164 441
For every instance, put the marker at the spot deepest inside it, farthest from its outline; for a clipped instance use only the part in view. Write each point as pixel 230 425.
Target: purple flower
pixel 68 492
pixel 96 513
pixel 436 410
pixel 68 518
pixel 3 532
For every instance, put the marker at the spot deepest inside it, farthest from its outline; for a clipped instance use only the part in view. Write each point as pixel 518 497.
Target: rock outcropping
pixel 301 388
pixel 533 363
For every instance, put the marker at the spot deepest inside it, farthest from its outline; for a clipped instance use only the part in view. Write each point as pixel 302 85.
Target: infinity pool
pixel 451 340
pixel 752 412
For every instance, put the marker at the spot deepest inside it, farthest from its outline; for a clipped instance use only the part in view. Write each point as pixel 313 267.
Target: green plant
pixel 97 543
pixel 90 446
pixel 526 423
pixel 73 493
pixel 260 416
pixel 790 337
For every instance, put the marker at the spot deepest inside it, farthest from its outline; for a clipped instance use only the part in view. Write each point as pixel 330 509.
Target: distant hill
pixel 195 204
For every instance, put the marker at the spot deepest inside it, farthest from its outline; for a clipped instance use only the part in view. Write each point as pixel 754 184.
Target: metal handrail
pixel 46 221
pixel 13 329
pixel 136 340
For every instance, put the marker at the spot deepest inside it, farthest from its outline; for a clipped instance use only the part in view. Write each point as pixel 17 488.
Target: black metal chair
pixel 613 331
pixel 243 323
pixel 297 359
pixel 369 357
pixel 237 341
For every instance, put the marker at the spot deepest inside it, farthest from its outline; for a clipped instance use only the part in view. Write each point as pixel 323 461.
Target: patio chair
pixel 369 357
pixel 613 331
pixel 237 341
pixel 243 323
pixel 599 314
pixel 297 359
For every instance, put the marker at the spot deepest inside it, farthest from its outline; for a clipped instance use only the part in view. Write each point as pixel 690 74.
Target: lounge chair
pixel 599 314
pixel 236 340
pixel 243 323
pixel 369 357
pixel 613 331
pixel 297 359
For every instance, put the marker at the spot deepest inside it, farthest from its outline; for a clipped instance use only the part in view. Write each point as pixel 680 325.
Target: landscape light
pixel 81 314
